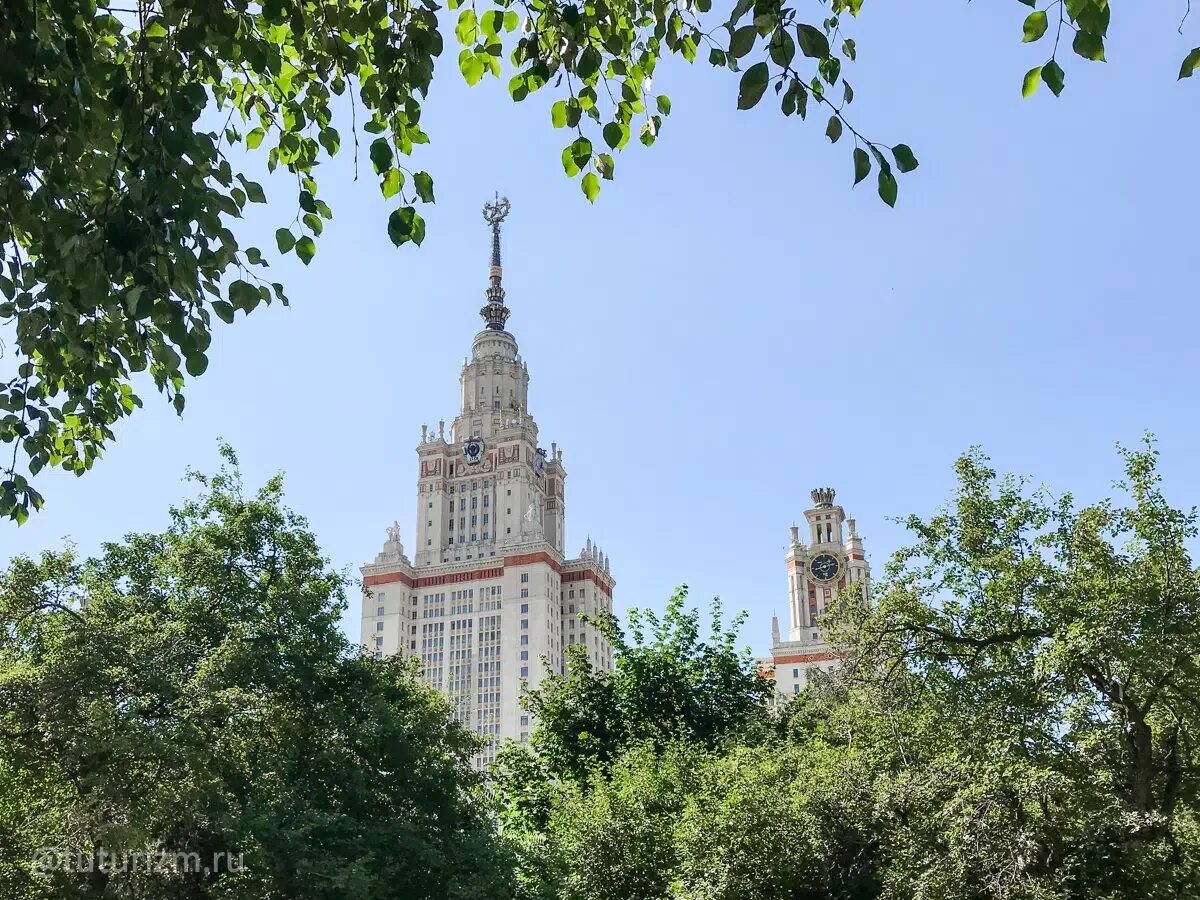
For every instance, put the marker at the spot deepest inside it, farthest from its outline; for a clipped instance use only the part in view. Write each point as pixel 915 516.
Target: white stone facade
pixel 492 601
pixel 830 561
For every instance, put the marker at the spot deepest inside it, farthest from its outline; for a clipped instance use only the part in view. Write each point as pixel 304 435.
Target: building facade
pixel 831 560
pixel 489 601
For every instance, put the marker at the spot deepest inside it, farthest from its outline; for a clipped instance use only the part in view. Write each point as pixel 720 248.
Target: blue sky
pixel 730 325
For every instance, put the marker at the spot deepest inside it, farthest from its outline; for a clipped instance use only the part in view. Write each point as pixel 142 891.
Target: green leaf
pixel 663 102
pixel 833 130
pixel 1035 26
pixel 616 135
pixel 741 41
pixel 581 151
pixel 255 137
pixel 568 162
pixel 391 184
pixel 404 225
pixel 196 363
pixel 590 186
pixel 781 47
pixel 1190 63
pixel 1054 77
pixel 243 295
pixel 424 186
pixel 604 165
pixel 467 28
pixel 558 114
pixel 1032 79
pixel 254 191
pixel 381 155
pixel 224 310
pixel 306 249
pixel 1089 46
pixel 284 240
pixel 813 42
pixel 888 188
pixel 905 161
pixel 753 85
pixel 862 164
pixel 471 66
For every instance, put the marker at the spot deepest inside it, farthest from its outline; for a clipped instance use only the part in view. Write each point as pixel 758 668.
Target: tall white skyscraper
pixel 491 601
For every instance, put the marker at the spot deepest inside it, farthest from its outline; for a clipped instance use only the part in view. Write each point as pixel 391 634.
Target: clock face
pixel 825 567
pixel 473 451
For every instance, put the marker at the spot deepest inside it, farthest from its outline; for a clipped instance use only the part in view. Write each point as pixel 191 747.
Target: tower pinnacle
pixel 495 313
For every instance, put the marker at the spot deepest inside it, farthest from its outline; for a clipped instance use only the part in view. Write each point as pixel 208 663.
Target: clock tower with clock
pixel 831 560
pixel 490 601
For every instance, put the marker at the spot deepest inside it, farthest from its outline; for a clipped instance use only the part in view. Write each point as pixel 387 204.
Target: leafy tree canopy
pixel 668 684
pixel 190 692
pixel 1016 720
pixel 121 189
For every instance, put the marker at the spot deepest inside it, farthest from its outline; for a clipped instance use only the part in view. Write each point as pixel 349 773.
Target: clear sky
pixel 730 325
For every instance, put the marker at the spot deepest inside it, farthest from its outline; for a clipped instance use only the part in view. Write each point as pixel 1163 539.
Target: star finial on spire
pixel 495 313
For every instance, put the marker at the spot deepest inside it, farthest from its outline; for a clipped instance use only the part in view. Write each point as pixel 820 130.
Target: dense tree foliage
pixel 189 692
pixel 122 171
pixel 1017 718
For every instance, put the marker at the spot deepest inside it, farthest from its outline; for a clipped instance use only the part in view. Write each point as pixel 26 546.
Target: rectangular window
pixel 524 608
pixel 524 655
pixel 524 592
pixel 524 623
pixel 524 671
pixel 379 612
pixel 485 501
pixel 379 626
pixel 524 640
pixel 524 578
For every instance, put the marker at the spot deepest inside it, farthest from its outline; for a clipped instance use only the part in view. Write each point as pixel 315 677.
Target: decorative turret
pixel 495 313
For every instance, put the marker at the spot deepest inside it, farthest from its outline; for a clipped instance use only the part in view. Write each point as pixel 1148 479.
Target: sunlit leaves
pixel 1032 79
pixel 471 66
pixel 591 186
pixel 1190 63
pixel 1035 25
pixel 306 249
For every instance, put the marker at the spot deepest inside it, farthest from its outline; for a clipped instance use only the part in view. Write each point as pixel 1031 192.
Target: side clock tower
pixel 830 561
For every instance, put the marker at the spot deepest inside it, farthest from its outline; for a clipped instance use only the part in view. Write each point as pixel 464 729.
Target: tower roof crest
pixel 495 313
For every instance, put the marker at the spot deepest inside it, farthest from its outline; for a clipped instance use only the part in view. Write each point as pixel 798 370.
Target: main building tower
pixel 490 601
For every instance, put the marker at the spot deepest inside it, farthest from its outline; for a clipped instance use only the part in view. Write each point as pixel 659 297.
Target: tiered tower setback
pixel 492 601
